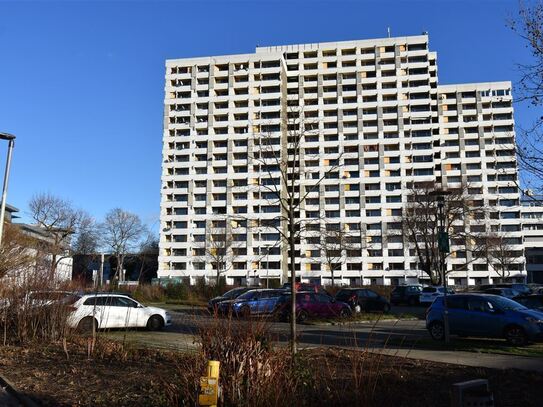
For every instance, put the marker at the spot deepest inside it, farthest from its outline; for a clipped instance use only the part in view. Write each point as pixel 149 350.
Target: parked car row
pixel 311 301
pixel 416 294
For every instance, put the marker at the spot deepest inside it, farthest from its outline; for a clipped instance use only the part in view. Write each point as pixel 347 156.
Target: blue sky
pixel 81 83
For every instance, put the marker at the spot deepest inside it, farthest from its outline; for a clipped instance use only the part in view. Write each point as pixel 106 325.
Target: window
pixel 456 302
pixel 98 301
pixel 124 302
pixel 479 305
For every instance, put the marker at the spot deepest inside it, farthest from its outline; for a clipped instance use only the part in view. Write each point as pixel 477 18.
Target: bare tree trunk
pixel 292 246
pixel 141 268
pixel 53 265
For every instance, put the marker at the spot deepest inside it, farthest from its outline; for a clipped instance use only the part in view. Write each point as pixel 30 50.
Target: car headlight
pixel 533 320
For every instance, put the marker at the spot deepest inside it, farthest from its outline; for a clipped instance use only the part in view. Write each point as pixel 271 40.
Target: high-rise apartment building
pixel 380 124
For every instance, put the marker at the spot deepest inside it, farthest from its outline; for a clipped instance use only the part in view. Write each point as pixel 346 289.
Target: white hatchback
pixel 100 311
pixel 429 294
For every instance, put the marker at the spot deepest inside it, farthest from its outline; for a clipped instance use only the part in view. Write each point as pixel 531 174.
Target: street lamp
pixel 443 247
pixel 11 139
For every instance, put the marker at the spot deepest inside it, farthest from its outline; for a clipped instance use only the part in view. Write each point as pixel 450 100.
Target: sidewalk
pixel 487 360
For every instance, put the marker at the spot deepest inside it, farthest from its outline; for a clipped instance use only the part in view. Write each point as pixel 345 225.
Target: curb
pixel 12 392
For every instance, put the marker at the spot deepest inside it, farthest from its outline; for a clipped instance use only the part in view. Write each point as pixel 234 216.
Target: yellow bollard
pixel 209 385
pixel 213 368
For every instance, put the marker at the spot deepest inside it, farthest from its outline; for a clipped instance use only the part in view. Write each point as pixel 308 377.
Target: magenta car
pixel 310 304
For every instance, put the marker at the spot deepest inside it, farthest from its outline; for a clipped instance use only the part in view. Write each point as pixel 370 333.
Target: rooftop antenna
pixel 388 32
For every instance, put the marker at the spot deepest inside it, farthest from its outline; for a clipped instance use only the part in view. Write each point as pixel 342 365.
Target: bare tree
pixel 85 247
pixel 529 25
pixel 503 255
pixel 63 225
pixel 16 253
pixel 421 227
pixel 148 258
pixel 336 245
pixel 220 246
pixel 286 181
pixel 122 232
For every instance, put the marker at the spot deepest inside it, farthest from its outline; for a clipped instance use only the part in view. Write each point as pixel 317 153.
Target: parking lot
pixel 404 336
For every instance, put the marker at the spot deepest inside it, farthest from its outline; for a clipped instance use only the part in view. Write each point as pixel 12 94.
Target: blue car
pixel 256 302
pixel 485 315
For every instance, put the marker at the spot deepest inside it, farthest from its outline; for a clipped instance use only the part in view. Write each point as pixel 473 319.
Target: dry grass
pixel 25 317
pixel 117 375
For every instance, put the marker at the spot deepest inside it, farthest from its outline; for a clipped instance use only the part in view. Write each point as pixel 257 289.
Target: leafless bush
pixel 256 371
pixel 250 366
pixel 253 372
pixel 29 310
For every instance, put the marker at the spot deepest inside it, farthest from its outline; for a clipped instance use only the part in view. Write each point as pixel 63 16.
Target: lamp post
pixel 11 140
pixel 443 247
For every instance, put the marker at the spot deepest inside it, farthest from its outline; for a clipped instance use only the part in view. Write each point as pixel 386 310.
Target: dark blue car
pixel 255 302
pixel 485 315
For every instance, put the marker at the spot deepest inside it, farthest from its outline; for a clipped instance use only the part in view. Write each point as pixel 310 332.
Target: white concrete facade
pixel 379 109
pixel 532 228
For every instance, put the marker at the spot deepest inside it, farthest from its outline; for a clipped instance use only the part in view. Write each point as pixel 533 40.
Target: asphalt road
pixel 402 337
pixel 353 334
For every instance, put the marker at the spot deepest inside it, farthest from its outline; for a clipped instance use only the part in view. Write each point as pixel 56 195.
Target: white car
pixel 100 311
pixel 429 294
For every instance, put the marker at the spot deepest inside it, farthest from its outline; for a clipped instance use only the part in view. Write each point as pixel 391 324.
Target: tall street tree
pixel 219 246
pixel 65 227
pixel 503 255
pixel 289 173
pixel 122 232
pixel 463 221
pixel 529 25
pixel 336 244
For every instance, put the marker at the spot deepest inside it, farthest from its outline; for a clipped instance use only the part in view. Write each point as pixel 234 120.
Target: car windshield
pixel 531 302
pixel 429 290
pixel 506 304
pixel 247 296
pixel 344 294
pixel 233 293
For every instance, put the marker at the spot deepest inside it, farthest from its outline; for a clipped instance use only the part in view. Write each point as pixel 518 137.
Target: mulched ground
pixel 121 377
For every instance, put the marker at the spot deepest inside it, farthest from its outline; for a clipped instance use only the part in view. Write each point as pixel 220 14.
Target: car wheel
pixel 437 331
pixel 386 308
pixel 155 323
pixel 344 313
pixel 87 325
pixel 516 336
pixel 302 316
pixel 245 312
pixel 412 301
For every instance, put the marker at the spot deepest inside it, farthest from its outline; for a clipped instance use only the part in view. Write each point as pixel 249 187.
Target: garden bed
pixel 116 376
